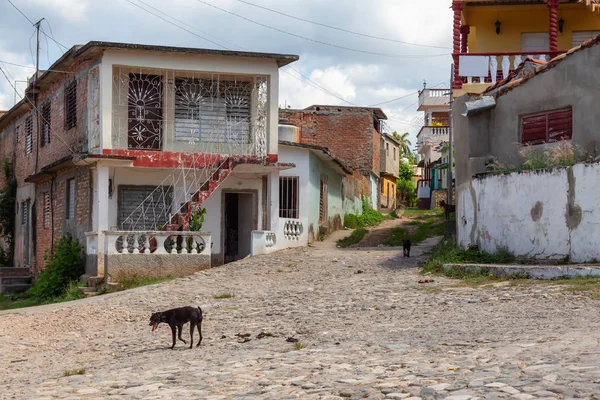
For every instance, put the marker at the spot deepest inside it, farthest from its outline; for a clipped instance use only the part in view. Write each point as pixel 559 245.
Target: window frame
pixel 70 203
pixel 46 116
pixel 292 212
pixel 70 97
pixel 28 136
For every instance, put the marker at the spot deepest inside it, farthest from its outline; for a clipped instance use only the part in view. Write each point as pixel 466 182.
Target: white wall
pixel 299 157
pixel 544 215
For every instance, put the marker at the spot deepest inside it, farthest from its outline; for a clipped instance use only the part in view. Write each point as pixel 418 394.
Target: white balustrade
pixel 482 67
pixel 157 242
pixel 270 239
pixel 292 229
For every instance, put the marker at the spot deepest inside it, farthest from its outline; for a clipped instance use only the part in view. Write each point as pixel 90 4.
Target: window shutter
pixel 560 125
pixel 71 105
pixel 46 210
pixel 28 136
pixel 46 124
pixel 534 129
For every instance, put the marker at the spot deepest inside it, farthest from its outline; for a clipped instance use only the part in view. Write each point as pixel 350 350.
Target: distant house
pixel 352 135
pixel 390 167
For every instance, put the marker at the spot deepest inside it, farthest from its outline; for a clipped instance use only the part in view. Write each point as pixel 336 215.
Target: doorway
pixel 239 216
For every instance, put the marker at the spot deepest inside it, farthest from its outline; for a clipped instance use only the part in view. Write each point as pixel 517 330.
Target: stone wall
pixel 439 195
pixel 545 214
pixel 155 265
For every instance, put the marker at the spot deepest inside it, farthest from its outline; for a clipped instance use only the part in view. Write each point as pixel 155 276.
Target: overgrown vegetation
pixel 8 199
pixel 66 265
pixel 355 237
pixel 299 346
pixel 406 188
pixel 223 296
pixel 74 372
pixel 369 217
pixel 561 154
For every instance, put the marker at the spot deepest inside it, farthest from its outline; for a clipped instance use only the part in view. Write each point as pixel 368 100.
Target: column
pixel 273 201
pixel 457 6
pixel 101 207
pixel 553 6
pixel 464 30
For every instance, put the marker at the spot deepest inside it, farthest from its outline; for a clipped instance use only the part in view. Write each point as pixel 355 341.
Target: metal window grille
pixel 288 197
pixel 70 196
pixel 46 210
pixel 24 212
pixel 71 105
pixel 323 199
pixel 28 136
pixel 46 124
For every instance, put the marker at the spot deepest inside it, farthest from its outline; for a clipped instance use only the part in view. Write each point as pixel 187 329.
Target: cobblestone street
pixel 370 330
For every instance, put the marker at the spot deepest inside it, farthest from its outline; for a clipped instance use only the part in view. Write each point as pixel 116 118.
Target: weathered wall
pixel 388 198
pixel 155 265
pixel 335 209
pixel 545 214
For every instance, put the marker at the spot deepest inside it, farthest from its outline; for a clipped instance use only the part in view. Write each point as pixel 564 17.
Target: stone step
pixel 89 294
pixel 87 289
pixel 14 288
pixel 95 281
pixel 15 280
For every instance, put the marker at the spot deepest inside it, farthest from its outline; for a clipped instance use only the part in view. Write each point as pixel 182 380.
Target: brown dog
pixel 448 208
pixel 176 318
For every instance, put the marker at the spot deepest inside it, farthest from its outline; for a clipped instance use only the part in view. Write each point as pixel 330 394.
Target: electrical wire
pixel 33 23
pixel 21 12
pixel 319 41
pixel 30 67
pixel 341 29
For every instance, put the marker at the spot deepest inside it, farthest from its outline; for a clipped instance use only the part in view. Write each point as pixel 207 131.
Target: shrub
pixel 8 200
pixel 354 238
pixel 66 265
pixel 369 217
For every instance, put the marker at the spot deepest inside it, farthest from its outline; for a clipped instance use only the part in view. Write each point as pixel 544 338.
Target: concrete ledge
pixel 155 265
pixel 532 271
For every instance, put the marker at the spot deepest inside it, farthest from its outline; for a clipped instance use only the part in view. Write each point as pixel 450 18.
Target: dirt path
pixel 378 235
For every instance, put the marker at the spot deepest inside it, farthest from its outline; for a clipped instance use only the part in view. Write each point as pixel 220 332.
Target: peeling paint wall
pixel 547 214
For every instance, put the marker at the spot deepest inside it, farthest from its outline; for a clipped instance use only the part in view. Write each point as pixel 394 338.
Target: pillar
pixel 464 30
pixel 100 220
pixel 457 6
pixel 553 32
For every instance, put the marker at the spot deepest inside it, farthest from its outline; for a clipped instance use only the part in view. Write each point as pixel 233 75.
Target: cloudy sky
pixel 335 67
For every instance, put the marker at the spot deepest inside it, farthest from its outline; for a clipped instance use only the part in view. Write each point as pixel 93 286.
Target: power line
pixel 341 29
pixel 52 37
pixel 172 23
pixel 30 67
pixel 21 12
pixel 319 41
pixel 317 86
pixel 393 100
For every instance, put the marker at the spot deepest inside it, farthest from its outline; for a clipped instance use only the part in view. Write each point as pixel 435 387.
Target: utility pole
pixel 35 94
pixel 450 137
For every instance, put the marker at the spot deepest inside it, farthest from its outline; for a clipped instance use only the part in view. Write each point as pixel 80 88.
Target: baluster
pixel 160 244
pixel 146 244
pixel 505 67
pixel 518 61
pixel 532 57
pixel 136 244
pixel 543 58
pixel 494 69
pixel 174 248
pixel 469 79
pixel 194 246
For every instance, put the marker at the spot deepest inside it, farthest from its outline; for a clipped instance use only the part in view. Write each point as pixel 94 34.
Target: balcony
pixel 489 68
pixel 184 111
pixel 433 98
pixel 430 135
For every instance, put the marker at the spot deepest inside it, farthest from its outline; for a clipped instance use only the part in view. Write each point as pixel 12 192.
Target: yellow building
pixel 492 37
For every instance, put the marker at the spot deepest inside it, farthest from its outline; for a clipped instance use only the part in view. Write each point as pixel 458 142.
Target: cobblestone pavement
pixel 375 334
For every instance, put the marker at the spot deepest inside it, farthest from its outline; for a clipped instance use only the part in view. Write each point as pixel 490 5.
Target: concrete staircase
pixel 181 220
pixel 93 285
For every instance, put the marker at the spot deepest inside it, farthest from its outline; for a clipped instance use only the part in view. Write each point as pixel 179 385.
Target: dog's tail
pixel 200 310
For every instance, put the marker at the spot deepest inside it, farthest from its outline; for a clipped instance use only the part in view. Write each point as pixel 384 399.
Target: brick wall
pixel 59 224
pixel 347 132
pixel 7 149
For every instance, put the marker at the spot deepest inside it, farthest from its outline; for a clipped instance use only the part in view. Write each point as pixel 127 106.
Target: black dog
pixel 448 208
pixel 406 247
pixel 176 318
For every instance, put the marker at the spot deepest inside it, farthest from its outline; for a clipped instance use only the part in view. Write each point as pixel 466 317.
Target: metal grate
pixel 46 124
pixel 70 197
pixel 24 212
pixel 71 105
pixel 288 197
pixel 28 136
pixel 46 210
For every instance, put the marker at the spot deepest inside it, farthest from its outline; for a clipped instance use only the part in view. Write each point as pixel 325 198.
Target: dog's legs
pixel 199 324
pixel 179 328
pixel 173 331
pixel 192 326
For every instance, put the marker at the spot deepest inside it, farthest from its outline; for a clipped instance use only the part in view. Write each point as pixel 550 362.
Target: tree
pixel 404 142
pixel 406 172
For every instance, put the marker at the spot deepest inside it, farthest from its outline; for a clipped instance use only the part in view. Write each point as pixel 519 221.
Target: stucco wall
pixel 546 214
pixel 335 209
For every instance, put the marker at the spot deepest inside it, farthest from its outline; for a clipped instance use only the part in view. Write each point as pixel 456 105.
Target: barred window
pixel 71 105
pixel 288 197
pixel 24 212
pixel 46 210
pixel 28 136
pixel 70 197
pixel 46 124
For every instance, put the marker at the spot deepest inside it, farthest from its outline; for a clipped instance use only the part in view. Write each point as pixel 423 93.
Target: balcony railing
pixel 432 134
pixel 493 67
pixel 434 97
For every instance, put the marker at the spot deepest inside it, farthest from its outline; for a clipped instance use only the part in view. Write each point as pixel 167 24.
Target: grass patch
pixel 223 296
pixel 355 237
pixel 369 217
pixel 432 290
pixel 131 282
pixel 12 302
pixel 447 252
pixel 74 372
pixel 299 346
pixel 425 224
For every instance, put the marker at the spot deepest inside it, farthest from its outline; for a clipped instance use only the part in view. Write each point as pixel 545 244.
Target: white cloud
pixel 69 9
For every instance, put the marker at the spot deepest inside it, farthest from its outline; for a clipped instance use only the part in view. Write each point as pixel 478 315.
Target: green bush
pixel 8 201
pixel 369 217
pixel 67 265
pixel 354 238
